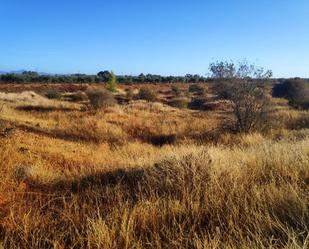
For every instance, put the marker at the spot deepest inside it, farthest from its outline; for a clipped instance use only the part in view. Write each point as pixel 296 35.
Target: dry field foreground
pixel 145 175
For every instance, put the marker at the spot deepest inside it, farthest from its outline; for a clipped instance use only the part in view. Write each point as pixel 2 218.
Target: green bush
pixel 53 94
pixel 148 94
pixel 100 99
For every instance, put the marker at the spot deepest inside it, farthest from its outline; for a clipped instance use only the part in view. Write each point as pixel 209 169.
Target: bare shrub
pixel 250 106
pixel 100 99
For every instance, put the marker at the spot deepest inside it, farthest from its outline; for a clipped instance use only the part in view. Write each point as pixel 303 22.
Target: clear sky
pixel 153 36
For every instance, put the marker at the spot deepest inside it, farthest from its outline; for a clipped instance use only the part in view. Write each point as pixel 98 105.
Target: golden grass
pixel 76 179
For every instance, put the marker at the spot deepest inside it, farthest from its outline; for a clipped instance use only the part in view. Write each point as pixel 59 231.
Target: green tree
pixel 104 75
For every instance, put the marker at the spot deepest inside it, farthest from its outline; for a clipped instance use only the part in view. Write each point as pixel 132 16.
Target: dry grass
pixel 146 175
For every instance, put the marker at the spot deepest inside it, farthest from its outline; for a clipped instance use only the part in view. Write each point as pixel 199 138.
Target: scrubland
pixel 147 175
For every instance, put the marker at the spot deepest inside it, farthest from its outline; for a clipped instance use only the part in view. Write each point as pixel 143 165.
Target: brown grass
pixel 146 175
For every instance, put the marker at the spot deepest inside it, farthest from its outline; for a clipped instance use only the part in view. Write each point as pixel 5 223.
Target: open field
pixel 148 175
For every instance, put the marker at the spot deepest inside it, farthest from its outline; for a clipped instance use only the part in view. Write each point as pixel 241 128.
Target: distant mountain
pixel 20 72
pixel 14 72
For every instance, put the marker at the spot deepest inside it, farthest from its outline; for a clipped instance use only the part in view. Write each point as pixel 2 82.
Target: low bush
pixel 292 119
pixel 100 99
pixel 179 103
pixel 223 89
pixel 148 94
pixel 295 90
pixel 198 89
pixel 302 122
pixel 197 104
pixel 219 105
pixel 176 90
pixel 53 94
pixel 130 94
pixel 79 96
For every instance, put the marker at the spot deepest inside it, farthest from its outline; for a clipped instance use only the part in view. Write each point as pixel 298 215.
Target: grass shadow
pixel 129 180
pixel 39 108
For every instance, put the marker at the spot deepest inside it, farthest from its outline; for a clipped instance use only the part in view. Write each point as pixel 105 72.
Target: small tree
pixel 112 83
pixel 243 85
pixel 250 105
pixel 222 70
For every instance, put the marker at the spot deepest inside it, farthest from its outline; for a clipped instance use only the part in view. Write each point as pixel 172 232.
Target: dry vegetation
pixel 147 175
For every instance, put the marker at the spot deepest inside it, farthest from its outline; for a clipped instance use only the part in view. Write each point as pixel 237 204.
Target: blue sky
pixel 153 36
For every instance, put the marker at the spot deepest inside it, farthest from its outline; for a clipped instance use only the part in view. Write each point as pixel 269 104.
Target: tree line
pixel 219 70
pixel 101 77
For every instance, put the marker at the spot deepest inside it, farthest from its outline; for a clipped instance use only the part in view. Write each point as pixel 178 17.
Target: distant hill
pixel 14 72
